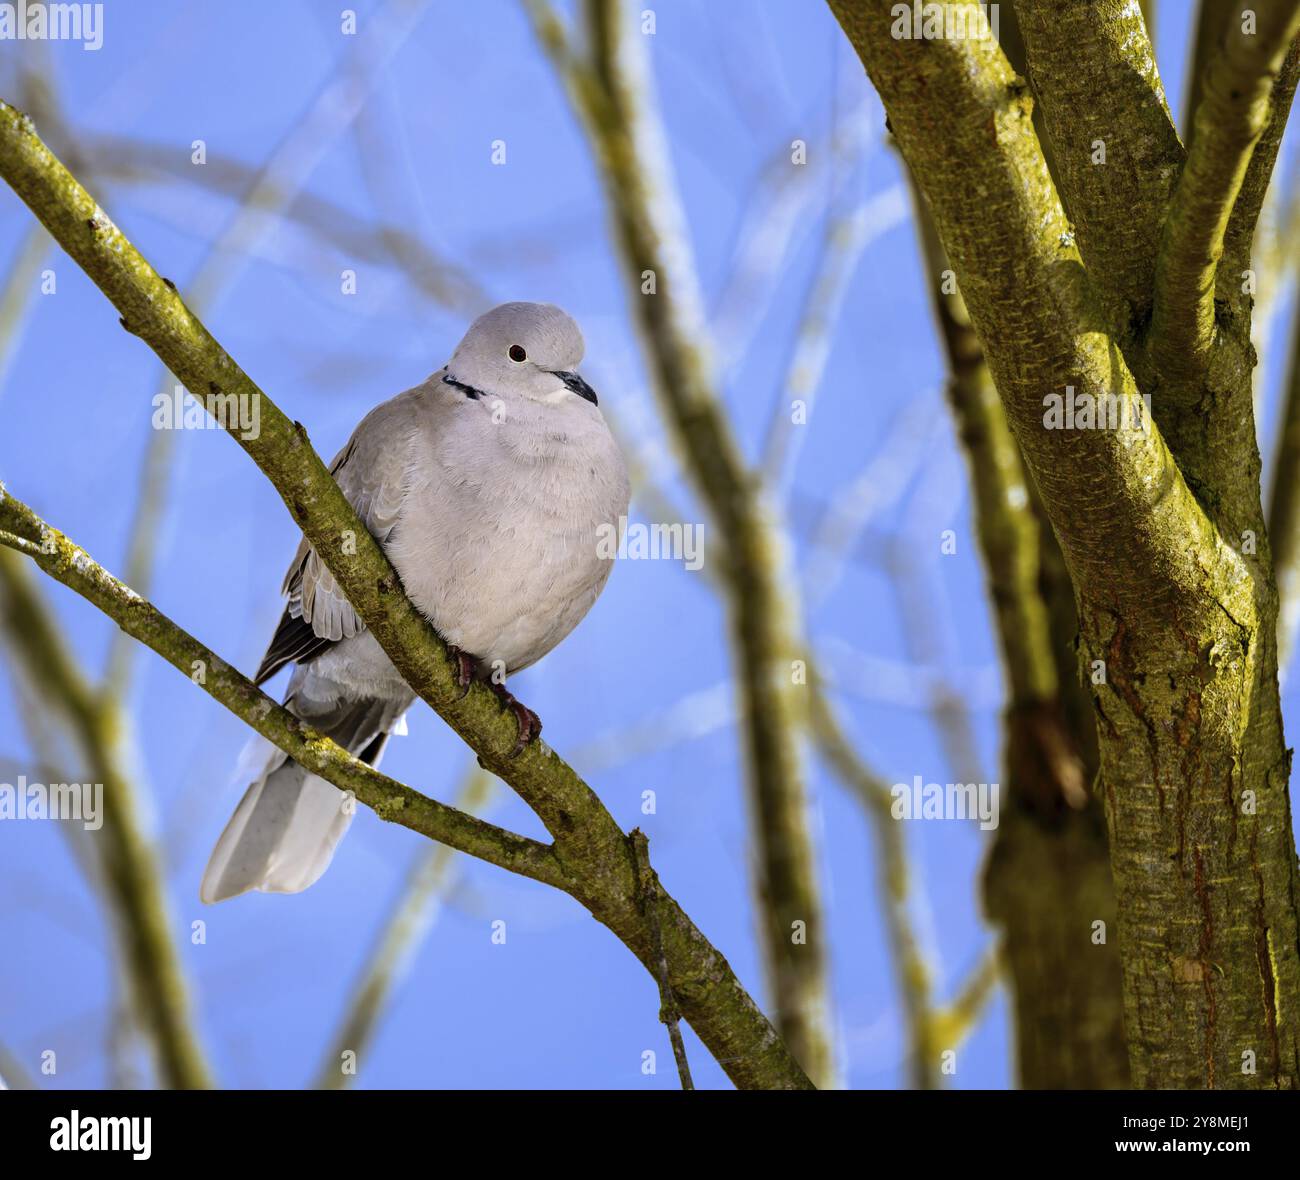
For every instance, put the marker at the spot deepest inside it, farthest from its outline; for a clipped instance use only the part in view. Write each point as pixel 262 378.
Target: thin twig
pixel 648 882
pixel 15 305
pixel 913 974
pixel 847 236
pixel 954 1022
pixel 12 1074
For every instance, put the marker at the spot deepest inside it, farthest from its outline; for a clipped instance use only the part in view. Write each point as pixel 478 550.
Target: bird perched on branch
pixel 489 487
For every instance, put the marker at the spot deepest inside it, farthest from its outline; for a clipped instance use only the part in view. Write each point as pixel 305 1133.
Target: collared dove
pixel 489 486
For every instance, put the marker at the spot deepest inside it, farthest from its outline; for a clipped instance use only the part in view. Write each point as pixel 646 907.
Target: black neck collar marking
pixel 468 390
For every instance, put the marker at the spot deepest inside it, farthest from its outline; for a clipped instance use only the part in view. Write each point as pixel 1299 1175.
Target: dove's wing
pixel 371 471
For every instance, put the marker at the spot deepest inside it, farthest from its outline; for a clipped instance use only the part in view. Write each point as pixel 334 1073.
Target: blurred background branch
pixel 1047 879
pixel 137 905
pixel 611 93
pixel 397 942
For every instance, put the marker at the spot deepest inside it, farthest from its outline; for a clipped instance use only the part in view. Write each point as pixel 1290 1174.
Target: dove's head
pixel 528 349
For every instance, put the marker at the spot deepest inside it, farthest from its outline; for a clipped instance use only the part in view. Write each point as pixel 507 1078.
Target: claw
pixel 530 725
pixel 465 665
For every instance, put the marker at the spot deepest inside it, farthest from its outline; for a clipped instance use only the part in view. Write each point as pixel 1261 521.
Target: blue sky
pixel 562 1003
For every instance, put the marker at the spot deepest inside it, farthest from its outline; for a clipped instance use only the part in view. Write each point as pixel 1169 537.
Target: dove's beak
pixel 577 384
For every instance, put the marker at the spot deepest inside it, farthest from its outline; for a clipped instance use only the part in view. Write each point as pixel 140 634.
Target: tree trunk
pixel 1159 522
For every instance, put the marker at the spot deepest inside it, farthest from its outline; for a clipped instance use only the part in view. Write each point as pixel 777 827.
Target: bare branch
pixel 1116 162
pixel 848 233
pixel 957 1019
pixel 130 160
pixel 67 563
pixel 1234 111
pixel 648 882
pixel 130 869
pixel 588 843
pixel 913 975
pixel 1284 508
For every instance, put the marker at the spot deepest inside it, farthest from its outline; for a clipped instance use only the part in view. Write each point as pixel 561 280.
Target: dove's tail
pixel 285 829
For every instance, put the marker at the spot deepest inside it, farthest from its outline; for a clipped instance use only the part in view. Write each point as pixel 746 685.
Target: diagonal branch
pixel 65 562
pixel 1117 161
pixel 963 123
pixel 589 844
pixel 1234 112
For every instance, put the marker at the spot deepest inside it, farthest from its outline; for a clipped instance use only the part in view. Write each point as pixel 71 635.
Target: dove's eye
pixel 518 354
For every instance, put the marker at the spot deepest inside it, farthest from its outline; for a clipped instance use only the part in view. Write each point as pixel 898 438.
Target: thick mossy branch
pixel 589 845
pixel 1115 496
pixel 1235 110
pixel 1117 157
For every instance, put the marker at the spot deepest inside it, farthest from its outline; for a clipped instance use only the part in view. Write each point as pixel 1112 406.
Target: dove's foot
pixel 530 725
pixel 465 667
